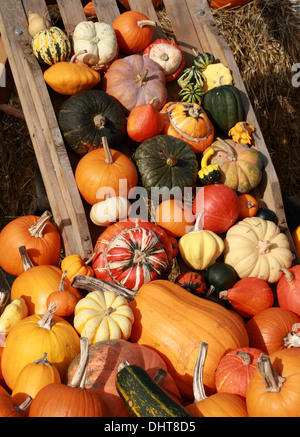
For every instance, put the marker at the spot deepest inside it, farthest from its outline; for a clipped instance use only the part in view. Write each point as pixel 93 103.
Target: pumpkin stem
pixel 62 280
pixel 4 296
pixel 78 379
pixel 232 154
pixel 99 121
pixel 197 227
pixel 77 54
pixel 109 158
pixel 24 405
pixel 198 387
pixel 37 229
pixel 46 321
pixel 271 378
pixel 291 340
pixel 142 23
pixel 26 261
pixel 43 360
pixel 288 274
pixel 223 294
pixel 122 365
pixel 153 100
pixel 108 311
pixel 264 246
pixel 171 160
pixel 139 257
pixel 90 259
pixel 245 357
pixel 141 79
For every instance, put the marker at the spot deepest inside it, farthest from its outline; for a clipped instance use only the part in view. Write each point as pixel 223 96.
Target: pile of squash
pixel 113 335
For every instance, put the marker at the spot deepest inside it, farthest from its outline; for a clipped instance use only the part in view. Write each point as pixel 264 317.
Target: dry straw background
pixel 264 38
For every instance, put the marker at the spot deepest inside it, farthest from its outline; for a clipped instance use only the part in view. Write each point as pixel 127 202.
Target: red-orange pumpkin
pixel 227 4
pixel 288 289
pixel 194 282
pixel 175 217
pixel 9 407
pixel 144 122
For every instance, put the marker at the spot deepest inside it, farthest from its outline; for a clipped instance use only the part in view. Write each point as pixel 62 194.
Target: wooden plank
pixel 72 13
pixel 106 11
pixel 48 144
pixel 7 83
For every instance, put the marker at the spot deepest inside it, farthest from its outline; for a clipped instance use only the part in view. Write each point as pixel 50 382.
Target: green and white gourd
pixel 51 46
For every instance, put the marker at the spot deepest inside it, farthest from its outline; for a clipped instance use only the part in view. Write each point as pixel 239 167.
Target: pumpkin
pixel 33 377
pixel 189 122
pixel 134 31
pixel 64 300
pixel 267 214
pixel 168 55
pixel 15 311
pixel 102 368
pixel 175 217
pixel 35 335
pixel 74 265
pixel 192 93
pixel 224 4
pixel 51 45
pixel 274 388
pixel 193 282
pixel 241 132
pixel 240 166
pixel 103 316
pixel 36 283
pixel 256 247
pixel 236 369
pixel 105 172
pixel 174 243
pixel 272 329
pixel 144 122
pixel 208 174
pixel 166 165
pixel 296 239
pixel 249 296
pixel 220 276
pixel 36 23
pixel 87 117
pixel 219 205
pixel 175 322
pixel 98 41
pixel 224 106
pixel 135 80
pixel 217 404
pixel 288 289
pixel 248 205
pixel 191 75
pixel 8 406
pixel 216 74
pixel 38 234
pixel 109 210
pixel 72 400
pixel 68 78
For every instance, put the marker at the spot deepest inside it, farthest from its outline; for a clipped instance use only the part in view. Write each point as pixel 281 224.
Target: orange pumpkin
pixel 144 122
pixel 75 265
pixel 175 217
pixel 248 206
pixel 8 406
pixel 227 4
pixel 189 122
pixel 64 300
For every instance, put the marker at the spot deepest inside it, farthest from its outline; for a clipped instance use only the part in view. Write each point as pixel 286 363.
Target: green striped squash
pixel 191 75
pixel 191 93
pixel 142 395
pixel 51 46
pixel 202 60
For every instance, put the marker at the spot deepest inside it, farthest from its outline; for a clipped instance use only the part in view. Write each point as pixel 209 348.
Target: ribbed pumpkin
pixel 88 116
pixel 165 163
pixel 74 265
pixel 38 234
pixel 8 406
pixel 189 122
pixel 288 289
pixel 174 322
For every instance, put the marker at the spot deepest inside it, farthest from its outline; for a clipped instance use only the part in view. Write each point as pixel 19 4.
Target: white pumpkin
pixel 167 56
pixel 109 210
pixel 255 247
pixel 98 40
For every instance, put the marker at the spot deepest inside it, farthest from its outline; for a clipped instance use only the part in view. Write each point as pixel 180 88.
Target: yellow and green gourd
pixel 192 93
pixel 51 46
pixel 191 75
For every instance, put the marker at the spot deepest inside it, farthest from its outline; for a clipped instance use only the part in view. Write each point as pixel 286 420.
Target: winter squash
pixel 102 368
pixel 203 59
pixel 240 166
pixel 87 117
pixel 175 217
pixel 134 31
pixel 288 289
pixel 224 106
pixel 72 400
pixel 216 74
pixel 220 276
pixel 69 77
pixel 189 122
pixel 256 247
pixel 105 172
pixel 236 369
pixel 168 55
pixel 64 300
pixel 135 80
pixel 191 75
pixel 15 311
pixel 144 122
pixel 272 329
pixel 36 283
pixel 8 406
pixel 33 377
pixel 267 214
pixel 224 4
pixel 192 93
pixel 35 335
pixel 103 316
pixel 74 265
pixel 241 133
pixel 274 388
pixel 217 404
pixel 36 23
pixel 248 205
pixel 219 205
pixel 193 282
pixel 109 210
pixel 166 166
pixel 175 322
pixel 38 234
pixel 249 296
pixel 97 43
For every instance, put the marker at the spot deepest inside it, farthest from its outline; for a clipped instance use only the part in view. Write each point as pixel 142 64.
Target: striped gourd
pixel 191 75
pixel 191 93
pixel 202 60
pixel 51 46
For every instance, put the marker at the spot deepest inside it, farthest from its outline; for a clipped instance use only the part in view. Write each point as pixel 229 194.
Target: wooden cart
pixel 194 28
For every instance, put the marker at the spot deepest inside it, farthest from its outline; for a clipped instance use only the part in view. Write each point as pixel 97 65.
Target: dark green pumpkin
pixel 88 116
pixel 166 163
pixel 267 214
pixel 224 106
pixel 202 60
pixel 220 276
pixel 142 395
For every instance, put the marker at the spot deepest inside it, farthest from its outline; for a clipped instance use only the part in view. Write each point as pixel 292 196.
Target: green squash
pixel 192 93
pixel 220 276
pixel 191 75
pixel 142 395
pixel 88 116
pixel 224 106
pixel 51 46
pixel 202 60
pixel 267 214
pixel 165 163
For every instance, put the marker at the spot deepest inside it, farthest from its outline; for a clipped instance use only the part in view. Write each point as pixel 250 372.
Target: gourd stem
pixel 139 257
pixel 153 100
pixel 140 79
pixel 264 246
pixel 78 380
pixel 46 321
pixel 4 296
pixel 44 20
pixel 37 230
pixel 164 57
pixel 26 261
pixel 77 54
pixel 291 340
pixel 245 357
pixel 62 280
pixel 232 154
pixel 198 387
pixel 288 274
pixel 90 259
pixel 108 311
pixel 109 158
pixel 43 360
pixel 24 405
pixel 271 378
pixel 122 365
pixel 210 291
pixel 142 23
pixel 223 294
pixel 99 121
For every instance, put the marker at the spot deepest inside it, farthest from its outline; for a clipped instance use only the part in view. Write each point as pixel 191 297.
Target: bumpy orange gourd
pixel 75 265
